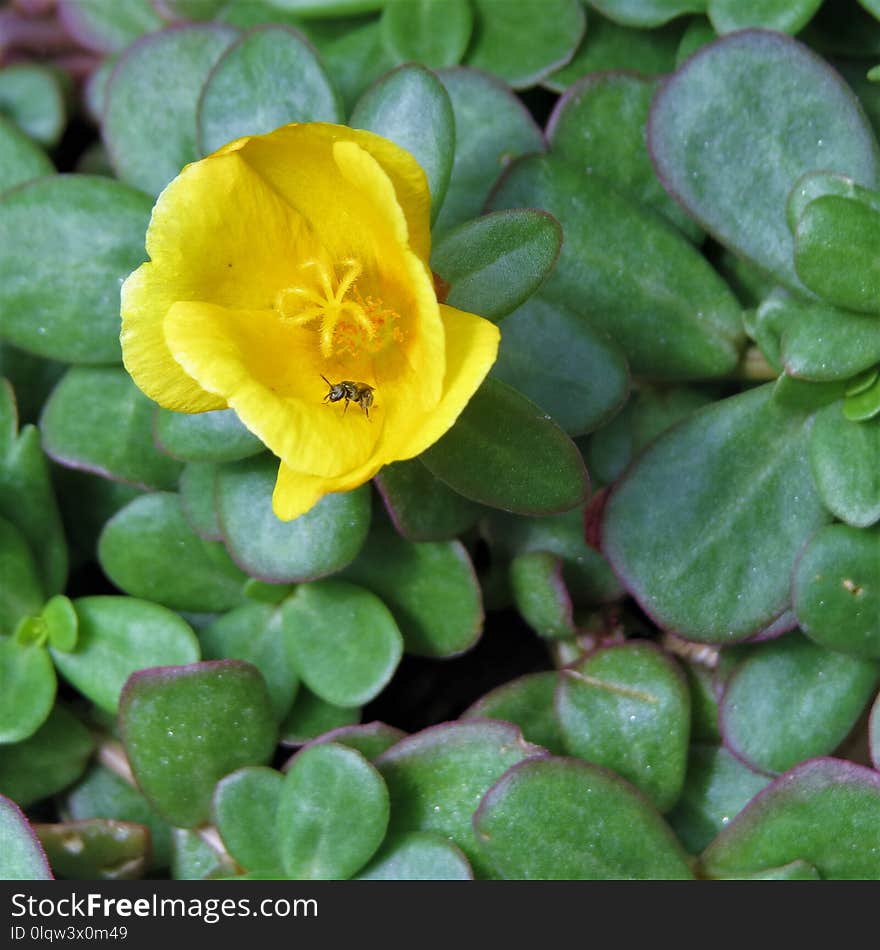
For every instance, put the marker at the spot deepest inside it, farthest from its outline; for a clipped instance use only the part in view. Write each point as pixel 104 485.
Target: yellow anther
pixel 348 321
pixel 352 272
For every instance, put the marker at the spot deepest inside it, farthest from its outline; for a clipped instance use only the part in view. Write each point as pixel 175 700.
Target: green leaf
pixel 506 453
pixel 717 787
pixel 217 436
pixel 540 595
pixel 31 96
pixel 94 161
pixel 62 623
pixel 95 95
pixel 820 184
pixel 332 813
pixel 647 13
pixel 320 542
pixel 133 551
pixel 27 498
pixel 417 856
pixel 185 727
pixel 176 10
pixel 705 526
pixel 793 393
pixel 410 107
pixel 864 405
pixel 264 593
pixel 245 811
pixel 837 590
pixel 108 27
pixel 88 502
pixel 552 355
pixel 598 126
pixel 268 78
pixel 342 640
pixel 370 739
pixel 150 118
pixel 527 702
pixel 588 579
pixel 704 702
pixel 433 32
pixel 248 13
pixel 560 819
pixel 874 733
pixel 816 341
pixel 20 159
pixel 195 857
pixel 857 72
pixel 495 263
pixel 825 812
pixel 21 855
pixel 96 849
pixel 795 871
pixel 54 232
pixel 114 438
pixel 630 273
pixel 328 8
pixel 46 762
pixel 253 632
pixel 32 379
pixel 310 716
pixel 751 284
pixel 21 594
pixel 524 42
pixel 786 16
pixel 698 33
pixel 117 637
pixel 437 777
pixel 791 700
pixel 628 708
pixel 430 589
pixel 492 127
pixel 31 631
pixel 739 123
pixel 422 507
pixel 103 794
pixel 608 47
pixel 197 486
pixel 843 456
pixel 27 689
pixel 354 59
pixel 862 383
pixel 650 412
pixel 835 253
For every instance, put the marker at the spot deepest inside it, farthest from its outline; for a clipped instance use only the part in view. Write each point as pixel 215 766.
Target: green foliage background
pixel 661 506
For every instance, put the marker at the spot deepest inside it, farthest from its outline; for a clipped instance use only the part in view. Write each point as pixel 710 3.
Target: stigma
pixel 328 299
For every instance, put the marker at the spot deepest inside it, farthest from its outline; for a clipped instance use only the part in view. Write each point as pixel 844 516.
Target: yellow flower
pixel 287 263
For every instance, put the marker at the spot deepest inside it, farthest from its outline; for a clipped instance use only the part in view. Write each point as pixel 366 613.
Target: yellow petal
pixel 349 217
pixel 418 361
pixel 296 492
pixel 269 372
pixel 146 298
pixel 360 169
pixel 410 184
pixel 471 349
pixel 218 233
pixel 291 156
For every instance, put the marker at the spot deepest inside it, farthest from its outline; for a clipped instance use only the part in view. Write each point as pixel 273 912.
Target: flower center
pixel 345 319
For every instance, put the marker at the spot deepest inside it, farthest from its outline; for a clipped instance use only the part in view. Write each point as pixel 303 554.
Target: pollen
pixel 328 300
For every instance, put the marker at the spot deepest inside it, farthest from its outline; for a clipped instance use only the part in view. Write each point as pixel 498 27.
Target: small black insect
pixel 359 393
